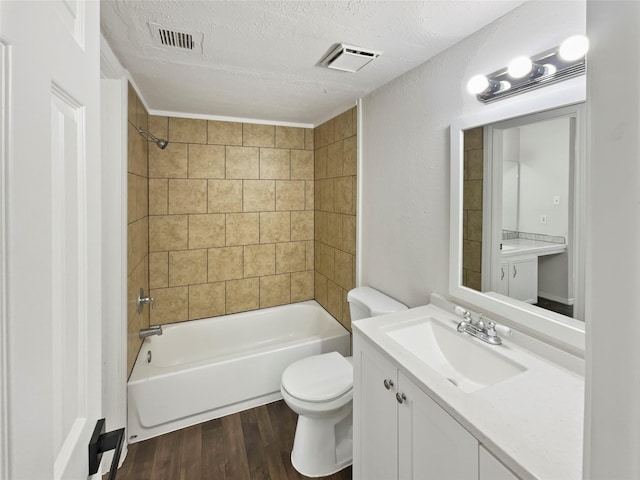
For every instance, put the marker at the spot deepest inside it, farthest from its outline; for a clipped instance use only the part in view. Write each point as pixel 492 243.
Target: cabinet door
pixel 375 416
pixel 492 469
pixel 523 279
pixel 432 445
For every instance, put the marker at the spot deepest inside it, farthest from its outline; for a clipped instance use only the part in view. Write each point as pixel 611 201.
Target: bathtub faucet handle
pixel 142 299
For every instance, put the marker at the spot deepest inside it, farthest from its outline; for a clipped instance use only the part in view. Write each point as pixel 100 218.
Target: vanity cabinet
pixel 518 278
pixel 399 432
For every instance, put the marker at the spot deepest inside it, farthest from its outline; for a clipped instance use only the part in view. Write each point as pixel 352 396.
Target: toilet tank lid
pixel 377 302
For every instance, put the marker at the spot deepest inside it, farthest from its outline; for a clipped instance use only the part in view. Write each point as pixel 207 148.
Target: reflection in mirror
pixel 520 215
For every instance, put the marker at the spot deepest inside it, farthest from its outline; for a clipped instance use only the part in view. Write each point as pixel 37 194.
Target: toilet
pixel 319 389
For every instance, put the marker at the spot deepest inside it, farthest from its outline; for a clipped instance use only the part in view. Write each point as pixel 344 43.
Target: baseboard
pixel 556 298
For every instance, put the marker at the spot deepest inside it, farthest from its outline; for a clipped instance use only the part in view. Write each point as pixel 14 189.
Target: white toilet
pixel 320 390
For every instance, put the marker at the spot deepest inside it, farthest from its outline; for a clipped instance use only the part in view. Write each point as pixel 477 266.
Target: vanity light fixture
pixel 528 73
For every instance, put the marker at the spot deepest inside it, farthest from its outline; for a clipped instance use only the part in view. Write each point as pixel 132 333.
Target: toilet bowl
pixel 319 389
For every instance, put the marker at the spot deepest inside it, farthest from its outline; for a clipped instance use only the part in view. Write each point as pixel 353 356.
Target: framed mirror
pixel 517 214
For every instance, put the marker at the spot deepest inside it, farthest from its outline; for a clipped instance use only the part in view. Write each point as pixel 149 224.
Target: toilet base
pixel 322 447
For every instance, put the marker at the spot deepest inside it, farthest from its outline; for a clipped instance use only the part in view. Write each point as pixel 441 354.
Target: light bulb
pixel 520 67
pixel 549 69
pixel 573 48
pixel 504 86
pixel 477 84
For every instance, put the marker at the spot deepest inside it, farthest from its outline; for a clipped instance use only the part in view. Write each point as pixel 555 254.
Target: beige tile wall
pixel 472 209
pixel 231 220
pixel 335 213
pixel 137 224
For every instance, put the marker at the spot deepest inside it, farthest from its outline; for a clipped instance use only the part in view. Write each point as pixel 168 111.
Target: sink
pixel 462 360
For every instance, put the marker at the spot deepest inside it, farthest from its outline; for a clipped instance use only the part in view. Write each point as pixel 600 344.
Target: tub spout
pixel 147 332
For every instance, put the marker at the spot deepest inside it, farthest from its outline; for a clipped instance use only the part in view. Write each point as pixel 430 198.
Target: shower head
pixel 160 142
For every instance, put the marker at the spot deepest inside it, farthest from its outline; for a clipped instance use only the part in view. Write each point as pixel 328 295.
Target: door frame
pixel 113 113
pixel 4 159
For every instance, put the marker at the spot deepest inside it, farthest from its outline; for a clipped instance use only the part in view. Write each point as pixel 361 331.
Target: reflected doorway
pixel 523 213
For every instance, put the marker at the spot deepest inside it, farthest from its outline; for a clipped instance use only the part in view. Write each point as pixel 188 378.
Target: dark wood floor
pixel 255 444
pixel 560 308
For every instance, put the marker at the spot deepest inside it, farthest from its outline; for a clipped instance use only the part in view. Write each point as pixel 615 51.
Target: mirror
pixel 520 208
pixel 517 215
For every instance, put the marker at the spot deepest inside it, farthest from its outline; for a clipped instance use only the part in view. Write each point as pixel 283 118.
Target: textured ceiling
pixel 259 59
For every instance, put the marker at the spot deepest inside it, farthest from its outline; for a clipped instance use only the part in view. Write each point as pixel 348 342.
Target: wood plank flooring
pixel 254 444
pixel 557 307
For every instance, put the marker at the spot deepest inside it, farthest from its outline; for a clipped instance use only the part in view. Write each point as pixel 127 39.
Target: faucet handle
pixel 142 299
pixel 504 330
pixel 491 329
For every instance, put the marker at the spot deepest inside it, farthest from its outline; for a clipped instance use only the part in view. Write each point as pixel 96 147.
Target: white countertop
pixel 532 422
pixel 523 246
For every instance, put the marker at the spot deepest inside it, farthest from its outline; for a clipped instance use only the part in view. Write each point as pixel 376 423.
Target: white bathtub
pixel 209 368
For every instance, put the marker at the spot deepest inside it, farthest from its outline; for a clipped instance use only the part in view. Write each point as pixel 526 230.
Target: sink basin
pixel 463 361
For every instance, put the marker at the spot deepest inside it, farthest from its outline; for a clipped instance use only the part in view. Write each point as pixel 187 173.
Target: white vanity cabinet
pixel 399 432
pixel 518 278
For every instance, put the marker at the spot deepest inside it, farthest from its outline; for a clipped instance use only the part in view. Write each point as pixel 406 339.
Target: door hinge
pixel 103 442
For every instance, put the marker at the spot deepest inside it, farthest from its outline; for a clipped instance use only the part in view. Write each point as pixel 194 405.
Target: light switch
pixel 556 200
pixel 543 219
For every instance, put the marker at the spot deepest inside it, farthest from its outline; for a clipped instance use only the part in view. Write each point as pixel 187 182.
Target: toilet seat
pixel 319 378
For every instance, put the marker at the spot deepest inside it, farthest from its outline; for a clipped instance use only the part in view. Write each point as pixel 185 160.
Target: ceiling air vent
pixel 349 58
pixel 176 38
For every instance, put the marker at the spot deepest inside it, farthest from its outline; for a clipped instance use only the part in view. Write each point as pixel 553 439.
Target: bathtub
pixel 205 369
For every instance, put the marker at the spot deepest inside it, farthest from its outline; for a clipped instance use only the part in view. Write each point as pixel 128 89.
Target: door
pixel 375 416
pixel 432 445
pixel 52 226
pixel 523 279
pixel 491 468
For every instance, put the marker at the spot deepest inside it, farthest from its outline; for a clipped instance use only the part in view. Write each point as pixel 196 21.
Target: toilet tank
pixel 365 302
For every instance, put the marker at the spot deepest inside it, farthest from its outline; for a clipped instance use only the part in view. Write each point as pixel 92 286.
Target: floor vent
pixel 176 38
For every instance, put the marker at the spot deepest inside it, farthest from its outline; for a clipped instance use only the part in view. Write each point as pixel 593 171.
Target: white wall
pixel 612 440
pixel 405 155
pixel 544 173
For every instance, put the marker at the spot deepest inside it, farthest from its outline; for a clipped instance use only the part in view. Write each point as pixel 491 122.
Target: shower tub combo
pixel 205 369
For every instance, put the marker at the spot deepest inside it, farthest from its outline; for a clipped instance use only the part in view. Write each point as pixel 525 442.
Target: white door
pixel 375 416
pixel 491 468
pixel 432 445
pixel 52 225
pixel 523 279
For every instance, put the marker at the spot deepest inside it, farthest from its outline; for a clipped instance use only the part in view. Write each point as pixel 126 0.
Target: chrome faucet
pixel 147 332
pixel 485 331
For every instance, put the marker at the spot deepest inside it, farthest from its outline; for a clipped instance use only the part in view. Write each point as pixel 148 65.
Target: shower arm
pixel 161 142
